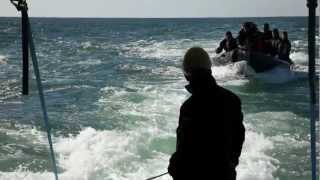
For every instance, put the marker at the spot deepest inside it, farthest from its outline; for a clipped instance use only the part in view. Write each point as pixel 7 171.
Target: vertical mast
pixel 312 5
pixel 25 52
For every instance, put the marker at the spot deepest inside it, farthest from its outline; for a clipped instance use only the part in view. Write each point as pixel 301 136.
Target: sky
pixel 159 8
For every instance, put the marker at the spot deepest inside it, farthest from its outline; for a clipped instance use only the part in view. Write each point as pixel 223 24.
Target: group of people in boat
pixel 251 39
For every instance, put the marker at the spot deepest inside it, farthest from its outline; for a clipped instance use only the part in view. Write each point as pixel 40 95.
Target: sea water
pixel 113 89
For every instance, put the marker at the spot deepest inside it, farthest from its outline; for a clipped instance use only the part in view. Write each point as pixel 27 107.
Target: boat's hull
pixel 261 63
pixel 257 61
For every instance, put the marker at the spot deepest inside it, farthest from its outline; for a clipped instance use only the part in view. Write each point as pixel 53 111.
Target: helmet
pixel 196 58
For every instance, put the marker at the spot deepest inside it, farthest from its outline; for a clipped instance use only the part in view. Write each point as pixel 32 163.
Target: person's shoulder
pixel 187 109
pixel 186 104
pixel 229 95
pixel 223 41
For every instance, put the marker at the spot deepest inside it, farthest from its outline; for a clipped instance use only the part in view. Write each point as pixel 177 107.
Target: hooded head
pixel 275 34
pixel 228 35
pixel 284 35
pixel 196 60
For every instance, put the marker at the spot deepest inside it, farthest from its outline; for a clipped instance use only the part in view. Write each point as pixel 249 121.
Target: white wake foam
pixel 115 155
pixel 299 58
pixel 3 60
pixel 165 50
pixel 142 150
pixel 254 163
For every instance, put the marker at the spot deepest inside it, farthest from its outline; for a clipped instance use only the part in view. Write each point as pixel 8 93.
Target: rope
pixel 155 177
pixel 42 99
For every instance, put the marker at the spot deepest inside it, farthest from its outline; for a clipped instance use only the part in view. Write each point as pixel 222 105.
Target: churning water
pixel 113 89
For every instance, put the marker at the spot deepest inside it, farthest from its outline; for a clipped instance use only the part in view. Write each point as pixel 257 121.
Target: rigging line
pixel 155 177
pixel 41 95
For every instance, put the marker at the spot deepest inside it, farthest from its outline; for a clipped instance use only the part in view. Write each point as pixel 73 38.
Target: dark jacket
pixel 227 45
pixel 242 37
pixel 210 133
pixel 267 36
pixel 252 41
pixel 267 42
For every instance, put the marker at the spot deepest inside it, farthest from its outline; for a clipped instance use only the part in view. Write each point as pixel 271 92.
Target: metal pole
pixel 22 6
pixel 25 52
pixel 312 5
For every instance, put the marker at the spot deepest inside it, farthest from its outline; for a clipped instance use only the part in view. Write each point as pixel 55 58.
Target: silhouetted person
pixel 267 33
pixel 250 38
pixel 244 34
pixel 228 43
pixel 267 39
pixel 210 132
pixel 275 42
pixel 284 48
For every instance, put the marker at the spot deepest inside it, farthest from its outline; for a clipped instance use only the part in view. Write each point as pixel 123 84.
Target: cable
pixel 155 177
pixel 42 99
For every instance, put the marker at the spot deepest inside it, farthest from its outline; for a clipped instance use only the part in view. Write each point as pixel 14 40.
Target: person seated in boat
pixel 284 48
pixel 267 33
pixel 243 34
pixel 228 43
pixel 267 39
pixel 250 38
pixel 257 42
pixel 210 131
pixel 275 42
